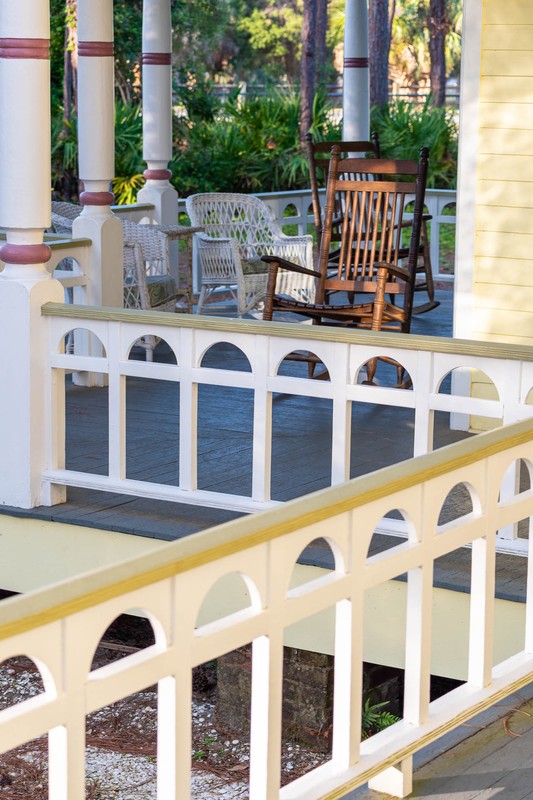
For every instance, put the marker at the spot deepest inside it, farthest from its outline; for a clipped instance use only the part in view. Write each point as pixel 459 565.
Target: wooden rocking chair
pixel 318 157
pixel 374 263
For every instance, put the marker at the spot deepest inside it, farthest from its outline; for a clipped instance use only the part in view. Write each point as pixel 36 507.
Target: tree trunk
pixel 320 42
pixel 70 60
pixel 438 25
pixel 70 87
pixel 380 15
pixel 307 67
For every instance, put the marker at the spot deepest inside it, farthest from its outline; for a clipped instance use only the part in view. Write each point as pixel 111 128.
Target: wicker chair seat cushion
pixel 253 266
pixel 161 290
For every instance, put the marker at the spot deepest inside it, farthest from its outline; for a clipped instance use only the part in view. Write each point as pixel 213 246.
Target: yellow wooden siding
pixel 513 166
pixel 512 38
pixel 506 89
pixel 510 12
pixel 483 388
pixel 508 62
pixel 502 307
pixel 503 325
pixel 511 194
pixel 507 116
pixel 497 270
pixel 502 296
pixel 494 244
pixel 502 219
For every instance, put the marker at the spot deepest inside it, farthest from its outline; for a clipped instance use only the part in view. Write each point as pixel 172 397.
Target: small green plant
pixel 375 718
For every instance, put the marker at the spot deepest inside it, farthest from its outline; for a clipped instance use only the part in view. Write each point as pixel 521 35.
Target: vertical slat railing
pixel 428 361
pixel 60 627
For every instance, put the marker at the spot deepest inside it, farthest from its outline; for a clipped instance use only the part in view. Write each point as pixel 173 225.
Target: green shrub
pixel 252 145
pixel 247 146
pixel 405 127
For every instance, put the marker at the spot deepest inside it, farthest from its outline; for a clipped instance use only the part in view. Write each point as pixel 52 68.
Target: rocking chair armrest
pixel 284 264
pixel 392 269
pixel 408 223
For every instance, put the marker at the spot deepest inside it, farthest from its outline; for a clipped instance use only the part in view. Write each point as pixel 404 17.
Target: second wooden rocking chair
pixel 374 262
pixel 318 157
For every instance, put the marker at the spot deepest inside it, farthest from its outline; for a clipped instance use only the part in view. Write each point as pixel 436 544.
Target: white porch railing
pixel 429 361
pixel 59 628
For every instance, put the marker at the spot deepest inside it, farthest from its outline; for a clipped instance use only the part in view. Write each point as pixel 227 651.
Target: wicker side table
pixel 184 287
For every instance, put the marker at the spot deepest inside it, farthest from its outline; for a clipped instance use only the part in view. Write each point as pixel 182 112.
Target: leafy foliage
pixel 409 46
pixel 244 147
pixel 404 128
pixel 64 153
pixel 274 34
pixel 375 718
pixel 129 164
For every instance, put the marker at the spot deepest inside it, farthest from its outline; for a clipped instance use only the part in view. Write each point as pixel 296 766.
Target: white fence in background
pixel 60 627
pixel 292 209
pixel 429 361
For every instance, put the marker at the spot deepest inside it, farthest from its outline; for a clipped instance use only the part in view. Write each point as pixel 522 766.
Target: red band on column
pixel 156 59
pixel 94 49
pixel 25 253
pixel 357 63
pixel 97 198
pixel 157 174
pixel 25 48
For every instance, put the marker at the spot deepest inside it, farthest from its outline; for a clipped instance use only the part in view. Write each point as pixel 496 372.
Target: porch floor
pixel 489 757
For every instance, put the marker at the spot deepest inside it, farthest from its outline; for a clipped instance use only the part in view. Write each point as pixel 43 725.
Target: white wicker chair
pixel 155 253
pixel 239 229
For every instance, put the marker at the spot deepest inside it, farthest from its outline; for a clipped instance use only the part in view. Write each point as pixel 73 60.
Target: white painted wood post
pixel 157 111
pixel 396 781
pixel 96 148
pixel 356 90
pixel 25 283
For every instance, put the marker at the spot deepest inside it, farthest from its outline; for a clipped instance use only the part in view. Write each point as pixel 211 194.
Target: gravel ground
pixel 121 746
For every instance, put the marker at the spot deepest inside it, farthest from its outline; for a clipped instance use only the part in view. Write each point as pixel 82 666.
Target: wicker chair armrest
pixel 204 237
pixel 285 238
pixel 278 261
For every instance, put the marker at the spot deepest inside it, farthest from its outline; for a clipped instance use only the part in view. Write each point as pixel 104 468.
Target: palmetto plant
pixel 405 127
pixel 129 164
pixel 248 145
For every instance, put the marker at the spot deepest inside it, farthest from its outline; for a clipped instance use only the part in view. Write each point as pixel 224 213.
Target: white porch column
pixel 25 283
pixel 157 111
pixel 356 91
pixel 96 144
pixel 96 156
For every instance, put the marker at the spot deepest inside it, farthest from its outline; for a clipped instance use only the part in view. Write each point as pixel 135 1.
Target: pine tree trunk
pixel 380 14
pixel 307 67
pixel 321 28
pixel 70 86
pixel 438 25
